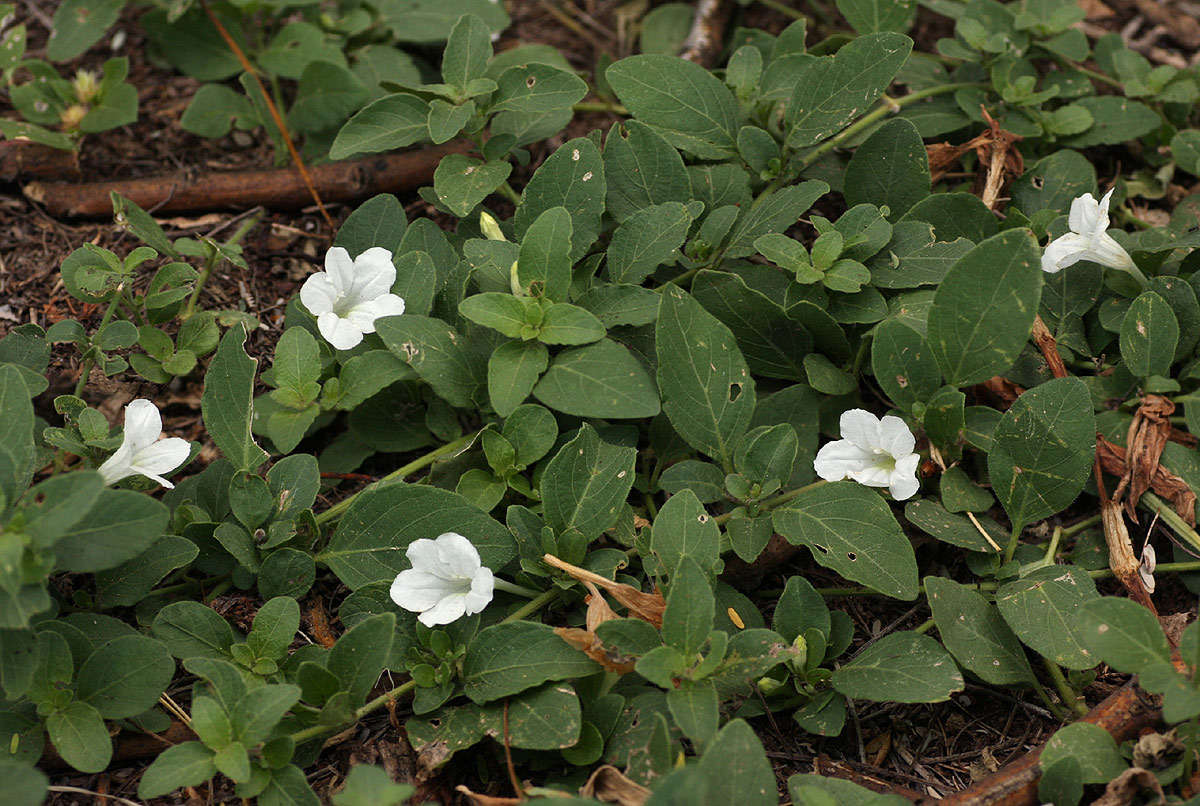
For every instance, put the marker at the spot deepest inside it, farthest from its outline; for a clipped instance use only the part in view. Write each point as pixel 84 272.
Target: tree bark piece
pixel 25 158
pixel 281 188
pixel 707 36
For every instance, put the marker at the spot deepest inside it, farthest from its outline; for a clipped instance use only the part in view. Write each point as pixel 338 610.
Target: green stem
pixel 86 369
pixel 1076 528
pixel 1054 708
pixel 1136 274
pixel 1172 519
pixel 507 191
pixel 518 590
pixel 1052 549
pixel 1013 540
pixel 782 8
pixel 600 106
pixel 772 503
pixel 243 228
pixel 1069 697
pixel 335 511
pixel 924 628
pixel 886 108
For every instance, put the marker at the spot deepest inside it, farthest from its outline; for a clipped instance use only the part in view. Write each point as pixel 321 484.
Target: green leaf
pixel 870 16
pixel 502 312
pixel 691 606
pixel 79 24
pixel 535 89
pixel 1054 182
pixel 1044 610
pixel 646 239
pixel 379 221
pixel 1042 450
pixel 704 479
pixel 192 44
pixel 275 625
pixel 1149 334
pixel 328 94
pixel 259 711
pixel 683 529
pixel 850 529
pixel 600 380
pixel 775 213
pixel 438 354
pixel 736 768
pixel 1185 148
pixel 425 22
pixel 586 484
pixel 772 343
pixel 642 169
pixel 799 609
pixel 1061 782
pixel 890 168
pixel 833 90
pixel 903 364
pixel 228 401
pixel 186 764
pixel 16 434
pixel 563 323
pixel 708 393
pixel 984 308
pixel 468 49
pixel 683 101
pixel 394 121
pixel 125 676
pixel 1123 634
pixel 976 634
pixel 1117 120
pixel 361 654
pixel 932 518
pixel 694 709
pixel 367 785
pixel 513 370
pixel 375 531
pixel 189 629
pixel 506 659
pixel 119 526
pixel 1091 746
pixel 545 256
pixel 900 667
pixel 23 784
pixel 571 177
pixel 79 735
pixel 462 182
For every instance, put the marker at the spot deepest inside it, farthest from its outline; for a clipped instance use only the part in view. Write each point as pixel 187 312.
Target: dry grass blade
pixel 646 606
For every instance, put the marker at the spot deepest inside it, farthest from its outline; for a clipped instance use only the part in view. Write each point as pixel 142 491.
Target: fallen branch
pixel 282 188
pixel 707 37
pixel 1125 713
pixel 25 158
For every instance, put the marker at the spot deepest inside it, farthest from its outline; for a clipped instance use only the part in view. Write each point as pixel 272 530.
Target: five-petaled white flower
pixel 350 295
pixel 1087 240
pixel 446 582
pixel 873 451
pixel 142 453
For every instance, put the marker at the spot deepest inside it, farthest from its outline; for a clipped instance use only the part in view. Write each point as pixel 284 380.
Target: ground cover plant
pixel 838 318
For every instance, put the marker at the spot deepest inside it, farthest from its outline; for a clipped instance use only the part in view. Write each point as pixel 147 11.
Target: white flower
pixel 446 582
pixel 142 453
pixel 874 452
pixel 350 295
pixel 1087 240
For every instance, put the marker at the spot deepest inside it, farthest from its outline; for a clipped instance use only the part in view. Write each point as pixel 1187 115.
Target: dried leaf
pixel 1122 790
pixel 648 607
pixel 1148 435
pixel 1163 482
pixel 609 785
pixel 486 800
pixel 586 640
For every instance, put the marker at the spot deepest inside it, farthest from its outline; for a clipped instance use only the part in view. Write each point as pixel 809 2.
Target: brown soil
pixel 917 750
